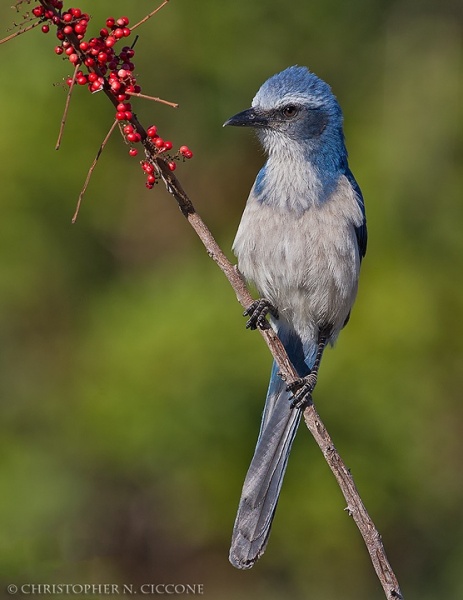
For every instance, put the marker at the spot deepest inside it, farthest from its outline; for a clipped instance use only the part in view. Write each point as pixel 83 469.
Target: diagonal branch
pixel 355 507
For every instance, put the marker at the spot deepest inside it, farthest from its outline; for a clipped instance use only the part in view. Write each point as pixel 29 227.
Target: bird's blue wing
pixel 361 231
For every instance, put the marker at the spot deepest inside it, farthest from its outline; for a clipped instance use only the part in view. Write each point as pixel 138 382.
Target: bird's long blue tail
pixel 264 478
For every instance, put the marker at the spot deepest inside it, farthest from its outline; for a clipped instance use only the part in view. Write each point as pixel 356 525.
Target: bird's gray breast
pixel 306 263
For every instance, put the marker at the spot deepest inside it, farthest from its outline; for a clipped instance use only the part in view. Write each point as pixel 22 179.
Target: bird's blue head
pixel 295 109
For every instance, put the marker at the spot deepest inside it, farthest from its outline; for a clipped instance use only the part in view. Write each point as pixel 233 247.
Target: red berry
pixel 122 73
pixel 45 28
pixel 68 29
pixel 69 81
pixel 159 142
pixel 67 17
pixel 149 185
pixel 96 86
pixel 167 145
pixel 38 11
pixel 152 131
pixel 128 129
pixel 115 86
pixel 151 179
pixel 185 151
pixel 92 77
pixel 104 32
pixel 59 50
pixel 110 41
pixel 128 115
pixel 133 136
pixel 172 166
pixel 120 116
pixel 102 57
pixel 148 168
pixel 82 80
pixel 80 29
pixel 126 31
pixel 84 46
pixel 133 152
pixel 110 22
pixel 118 33
pixel 76 12
pixel 74 58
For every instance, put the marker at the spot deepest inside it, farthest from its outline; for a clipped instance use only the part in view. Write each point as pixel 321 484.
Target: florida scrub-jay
pixel 301 240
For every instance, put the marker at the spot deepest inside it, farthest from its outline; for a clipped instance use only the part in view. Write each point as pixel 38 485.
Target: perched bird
pixel 301 240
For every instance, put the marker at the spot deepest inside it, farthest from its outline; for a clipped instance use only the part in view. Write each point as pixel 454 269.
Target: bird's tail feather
pixel 262 485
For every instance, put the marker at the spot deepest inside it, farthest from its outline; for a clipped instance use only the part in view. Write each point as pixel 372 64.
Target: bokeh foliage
pixel 130 392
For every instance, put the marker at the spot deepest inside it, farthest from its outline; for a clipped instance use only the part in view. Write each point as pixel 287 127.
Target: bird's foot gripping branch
pixel 257 313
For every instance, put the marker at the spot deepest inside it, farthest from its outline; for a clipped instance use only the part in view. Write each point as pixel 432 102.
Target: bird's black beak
pixel 248 118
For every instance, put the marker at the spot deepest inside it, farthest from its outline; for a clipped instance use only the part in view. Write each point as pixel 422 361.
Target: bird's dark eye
pixel 290 111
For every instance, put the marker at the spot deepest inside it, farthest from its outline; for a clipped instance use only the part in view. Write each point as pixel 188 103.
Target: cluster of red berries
pixel 97 54
pixel 160 145
pixel 106 69
pixel 148 169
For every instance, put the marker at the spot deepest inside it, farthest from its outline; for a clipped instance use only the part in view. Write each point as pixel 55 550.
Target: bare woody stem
pixel 19 32
pixel 66 108
pixel 152 13
pixel 355 507
pixel 154 98
pixel 90 171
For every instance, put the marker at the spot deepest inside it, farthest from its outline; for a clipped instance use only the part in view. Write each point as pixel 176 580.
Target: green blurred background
pixel 130 391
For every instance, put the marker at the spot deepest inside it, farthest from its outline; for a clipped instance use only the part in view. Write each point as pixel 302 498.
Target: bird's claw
pixel 302 389
pixel 257 313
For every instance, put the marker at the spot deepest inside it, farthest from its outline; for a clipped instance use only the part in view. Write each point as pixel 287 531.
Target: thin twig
pixel 16 33
pixel 92 168
pixel 138 95
pixel 66 108
pixel 355 506
pixel 149 16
